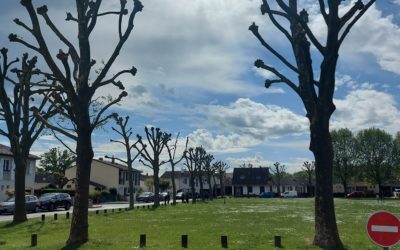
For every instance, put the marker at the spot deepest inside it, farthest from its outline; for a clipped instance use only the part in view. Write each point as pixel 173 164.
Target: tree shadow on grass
pixel 12 224
pixel 72 247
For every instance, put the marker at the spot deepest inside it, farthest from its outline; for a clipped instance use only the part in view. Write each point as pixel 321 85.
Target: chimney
pixel 100 158
pixel 113 159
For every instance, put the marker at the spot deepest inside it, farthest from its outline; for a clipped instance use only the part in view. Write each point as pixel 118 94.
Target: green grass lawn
pixel 248 223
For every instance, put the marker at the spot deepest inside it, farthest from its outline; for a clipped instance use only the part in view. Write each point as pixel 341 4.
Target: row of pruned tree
pixel 152 151
pixel 372 155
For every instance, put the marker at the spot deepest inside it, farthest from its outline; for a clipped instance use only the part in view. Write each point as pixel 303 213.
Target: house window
pixel 249 189
pixel 68 186
pixel 126 176
pixel 197 182
pixel 2 187
pixel 6 166
pixel 185 181
pixel 8 186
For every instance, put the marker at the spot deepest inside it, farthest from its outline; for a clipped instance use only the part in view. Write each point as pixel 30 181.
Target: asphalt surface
pixel 62 212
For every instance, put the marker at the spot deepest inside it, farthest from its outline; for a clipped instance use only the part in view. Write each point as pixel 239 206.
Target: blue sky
pixel 196 76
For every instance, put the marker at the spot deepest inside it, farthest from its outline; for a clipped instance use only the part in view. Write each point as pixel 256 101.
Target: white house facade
pixel 7 172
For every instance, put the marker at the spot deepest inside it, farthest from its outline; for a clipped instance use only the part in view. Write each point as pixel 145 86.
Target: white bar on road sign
pixel 385 229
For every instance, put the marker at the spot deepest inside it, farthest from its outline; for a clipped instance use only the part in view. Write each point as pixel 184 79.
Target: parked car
pixel 266 195
pixel 51 201
pixel 146 197
pixel 289 194
pixel 356 194
pixel 162 195
pixel 182 192
pixel 31 203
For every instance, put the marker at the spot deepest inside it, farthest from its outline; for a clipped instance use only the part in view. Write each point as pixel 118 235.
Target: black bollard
pixel 43 217
pixel 67 215
pixel 224 241
pixel 112 210
pixel 142 240
pixel 105 211
pixel 120 209
pixel 184 241
pixel 126 209
pixel 277 240
pixel 33 240
pixel 55 216
pixel 97 211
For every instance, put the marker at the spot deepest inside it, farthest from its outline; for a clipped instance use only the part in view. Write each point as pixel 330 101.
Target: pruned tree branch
pixel 254 29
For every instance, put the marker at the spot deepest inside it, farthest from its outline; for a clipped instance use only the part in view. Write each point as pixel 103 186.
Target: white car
pixel 289 194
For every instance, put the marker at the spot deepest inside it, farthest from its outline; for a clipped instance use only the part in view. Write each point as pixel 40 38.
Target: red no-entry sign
pixel 383 228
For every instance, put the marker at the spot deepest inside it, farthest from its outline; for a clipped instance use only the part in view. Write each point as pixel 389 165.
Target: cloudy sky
pixel 196 76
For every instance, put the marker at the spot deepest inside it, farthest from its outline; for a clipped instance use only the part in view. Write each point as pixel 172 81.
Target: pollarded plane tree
pixel 220 168
pixel 150 155
pixel 309 169
pixel 209 170
pixel 17 96
pixel 200 160
pixel 75 86
pixel 173 161
pixel 279 171
pixel 316 93
pixel 126 133
pixel 193 157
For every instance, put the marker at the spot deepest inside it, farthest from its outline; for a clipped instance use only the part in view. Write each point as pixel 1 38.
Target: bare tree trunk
pixel 173 185
pixel 221 180
pixel 192 180
pixel 201 186
pixel 79 224
pixel 326 231
pixel 156 183
pixel 345 187
pixel 20 211
pixel 131 188
pixel 210 191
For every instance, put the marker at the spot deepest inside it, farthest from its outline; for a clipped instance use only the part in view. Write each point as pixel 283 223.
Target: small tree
pixel 279 171
pixel 126 134
pixel 173 162
pixel 315 93
pixel 209 170
pixel 16 99
pixel 220 168
pixel 156 140
pixel 55 162
pixel 375 151
pixel 344 156
pixel 309 169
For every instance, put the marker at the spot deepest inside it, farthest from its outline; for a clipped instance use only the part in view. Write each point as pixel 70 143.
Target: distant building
pixel 106 175
pixel 7 172
pixel 182 180
pixel 249 181
pixel 43 180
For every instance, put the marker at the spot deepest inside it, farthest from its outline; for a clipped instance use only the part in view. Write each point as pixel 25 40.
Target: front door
pixel 262 189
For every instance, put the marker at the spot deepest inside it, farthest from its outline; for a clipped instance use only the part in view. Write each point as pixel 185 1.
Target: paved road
pixel 61 211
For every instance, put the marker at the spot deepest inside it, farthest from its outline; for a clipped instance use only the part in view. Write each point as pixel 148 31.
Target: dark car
pixel 146 197
pixel 356 194
pixel 51 201
pixel 31 203
pixel 266 195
